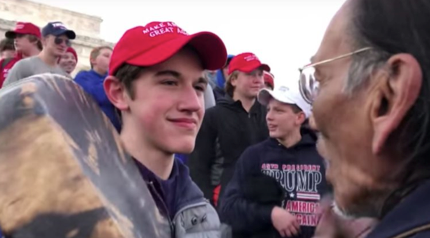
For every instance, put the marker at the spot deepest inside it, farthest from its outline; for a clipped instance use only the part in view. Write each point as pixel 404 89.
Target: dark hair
pixel 391 27
pixel 296 109
pixel 6 44
pixel 33 38
pixel 127 74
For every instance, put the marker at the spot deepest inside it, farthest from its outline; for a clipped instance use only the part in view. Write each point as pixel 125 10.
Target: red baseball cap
pixel 26 28
pixel 72 51
pixel 246 62
pixel 269 78
pixel 158 41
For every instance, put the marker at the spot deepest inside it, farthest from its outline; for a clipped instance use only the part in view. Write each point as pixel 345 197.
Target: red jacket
pixel 4 68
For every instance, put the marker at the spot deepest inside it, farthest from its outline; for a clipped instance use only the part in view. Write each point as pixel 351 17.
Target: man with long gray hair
pixel 372 110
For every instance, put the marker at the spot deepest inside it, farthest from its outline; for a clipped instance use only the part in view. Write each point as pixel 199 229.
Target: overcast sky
pixel 282 33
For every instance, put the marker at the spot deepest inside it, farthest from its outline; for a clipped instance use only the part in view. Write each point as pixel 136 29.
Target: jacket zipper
pixel 172 227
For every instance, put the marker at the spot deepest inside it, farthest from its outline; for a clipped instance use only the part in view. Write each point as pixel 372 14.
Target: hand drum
pixel 63 171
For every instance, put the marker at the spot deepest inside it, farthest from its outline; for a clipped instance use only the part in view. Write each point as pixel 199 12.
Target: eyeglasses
pixel 308 84
pixel 60 41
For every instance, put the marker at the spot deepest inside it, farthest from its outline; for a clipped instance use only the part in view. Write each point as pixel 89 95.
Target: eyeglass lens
pixel 308 84
pixel 59 41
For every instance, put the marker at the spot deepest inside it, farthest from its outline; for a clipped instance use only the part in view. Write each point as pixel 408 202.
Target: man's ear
pixel 116 92
pixel 394 94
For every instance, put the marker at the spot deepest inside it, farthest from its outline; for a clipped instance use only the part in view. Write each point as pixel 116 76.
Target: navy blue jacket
pixel 300 172
pixel 174 193
pixel 412 212
pixel 181 202
pixel 92 83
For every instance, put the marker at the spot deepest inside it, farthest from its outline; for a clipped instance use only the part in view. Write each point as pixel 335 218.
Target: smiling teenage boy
pixel 156 79
pixel 287 204
pixel 56 38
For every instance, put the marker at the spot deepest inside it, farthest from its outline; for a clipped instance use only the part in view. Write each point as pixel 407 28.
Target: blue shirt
pixel 92 83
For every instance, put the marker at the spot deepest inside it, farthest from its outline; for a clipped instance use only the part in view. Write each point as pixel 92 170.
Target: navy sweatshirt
pixel 172 194
pixel 300 172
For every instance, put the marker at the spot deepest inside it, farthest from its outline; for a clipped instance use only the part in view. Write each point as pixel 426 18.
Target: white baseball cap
pixel 285 94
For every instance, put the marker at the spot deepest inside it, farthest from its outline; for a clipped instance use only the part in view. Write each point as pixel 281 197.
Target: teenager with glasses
pixel 55 39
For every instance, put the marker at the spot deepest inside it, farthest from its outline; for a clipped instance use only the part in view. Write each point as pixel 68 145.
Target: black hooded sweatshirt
pixel 227 130
pixel 250 196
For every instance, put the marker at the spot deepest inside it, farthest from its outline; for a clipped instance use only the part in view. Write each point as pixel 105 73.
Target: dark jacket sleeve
pixel 202 158
pixel 242 214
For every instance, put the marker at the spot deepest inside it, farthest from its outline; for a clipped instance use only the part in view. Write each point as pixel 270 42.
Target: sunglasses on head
pixel 60 41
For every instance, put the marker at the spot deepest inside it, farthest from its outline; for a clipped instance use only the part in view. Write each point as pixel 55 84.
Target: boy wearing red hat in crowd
pixel 156 79
pixel 68 61
pixel 278 183
pixel 236 122
pixel 55 39
pixel 27 42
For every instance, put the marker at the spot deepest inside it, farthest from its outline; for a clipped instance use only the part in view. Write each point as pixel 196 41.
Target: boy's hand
pixel 284 222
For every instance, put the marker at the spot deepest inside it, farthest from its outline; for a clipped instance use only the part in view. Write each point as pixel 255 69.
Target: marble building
pixel 87 27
